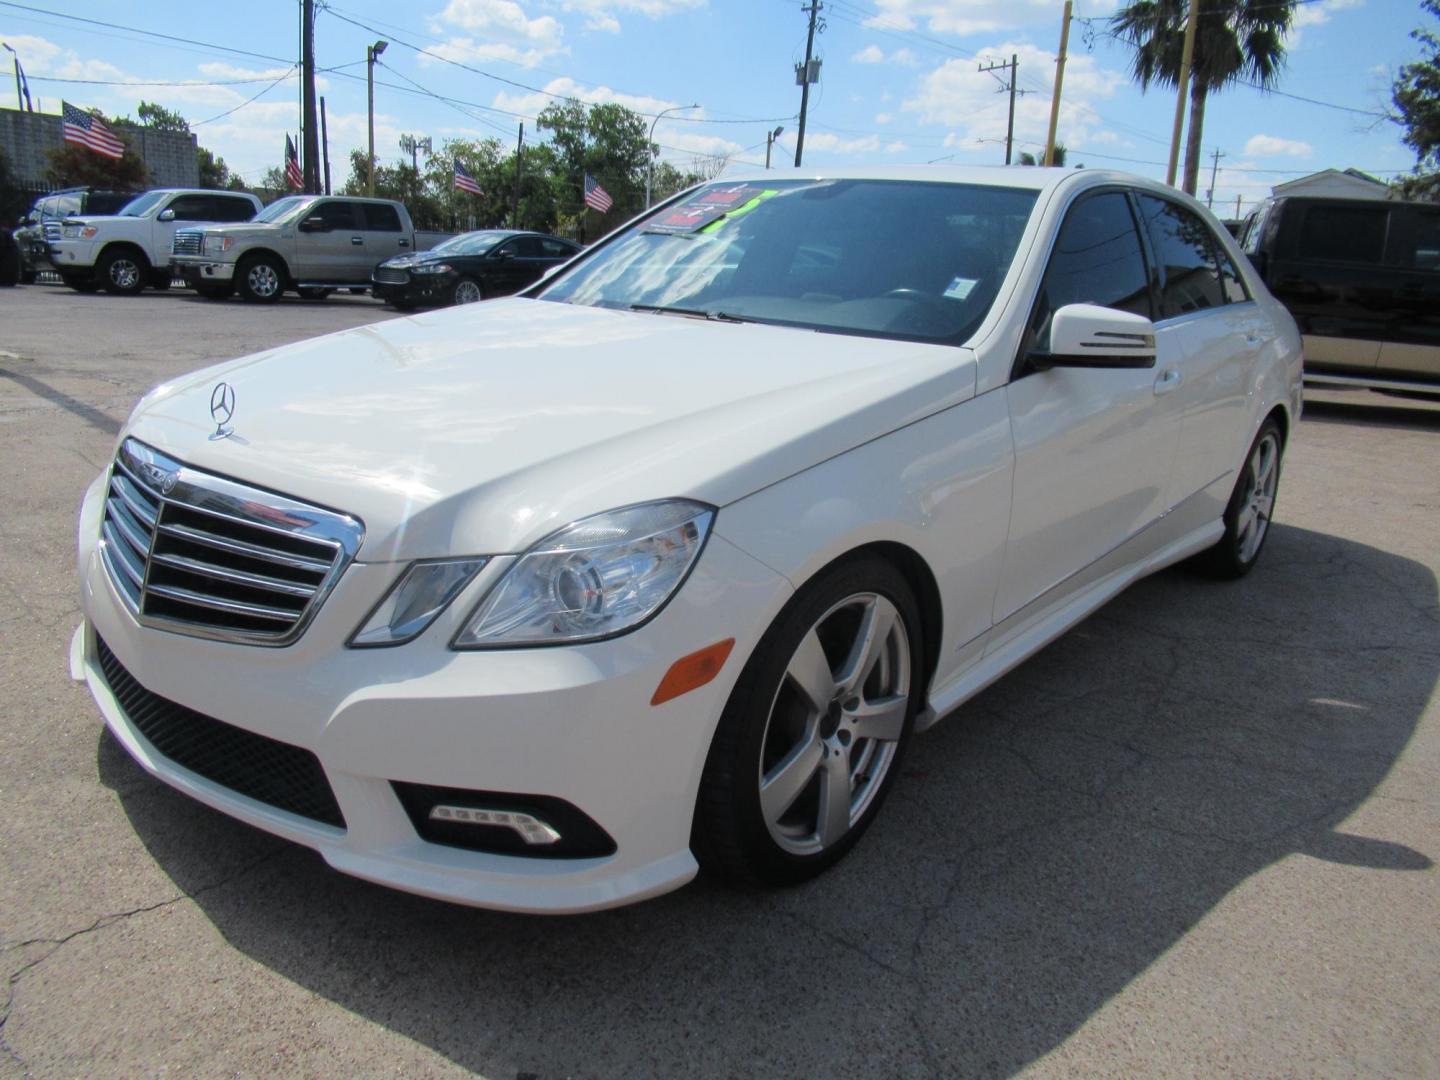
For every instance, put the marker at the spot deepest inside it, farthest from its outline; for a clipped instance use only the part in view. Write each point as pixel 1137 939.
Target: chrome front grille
pixel 389 275
pixel 187 242
pixel 52 230
pixel 195 553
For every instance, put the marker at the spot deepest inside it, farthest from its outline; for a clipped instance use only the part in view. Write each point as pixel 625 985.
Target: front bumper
pixel 73 255
pixel 420 290
pixel 572 722
pixel 199 269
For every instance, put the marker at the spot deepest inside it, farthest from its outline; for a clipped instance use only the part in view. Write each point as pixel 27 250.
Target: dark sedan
pixel 469 267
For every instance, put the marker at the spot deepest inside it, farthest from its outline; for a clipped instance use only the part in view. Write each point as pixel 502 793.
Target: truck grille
pixel 52 230
pixel 187 242
pixel 197 554
pixel 276 773
pixel 389 275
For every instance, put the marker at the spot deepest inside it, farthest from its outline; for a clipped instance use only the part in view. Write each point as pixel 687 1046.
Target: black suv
pixel 42 223
pixel 1362 278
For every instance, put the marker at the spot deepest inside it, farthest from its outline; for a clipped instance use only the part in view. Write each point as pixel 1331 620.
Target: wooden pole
pixel 1059 80
pixel 1187 55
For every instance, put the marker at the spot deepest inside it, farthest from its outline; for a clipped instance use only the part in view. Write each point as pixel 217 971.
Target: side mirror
pixel 1087 335
pixel 167 215
pixel 502 254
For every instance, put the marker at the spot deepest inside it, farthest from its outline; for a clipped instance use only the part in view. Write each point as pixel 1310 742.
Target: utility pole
pixel 1182 86
pixel 309 135
pixel 325 145
pixel 1237 207
pixel 770 137
pixel 1214 168
pixel 806 76
pixel 372 53
pixel 519 164
pixel 1010 125
pixel 1059 81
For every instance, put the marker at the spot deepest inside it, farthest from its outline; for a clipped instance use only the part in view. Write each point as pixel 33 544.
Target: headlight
pixel 218 245
pixel 596 578
pixel 431 268
pixel 79 232
pixel 413 602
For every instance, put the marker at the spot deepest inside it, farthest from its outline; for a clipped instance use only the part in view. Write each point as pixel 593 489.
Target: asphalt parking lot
pixel 1196 835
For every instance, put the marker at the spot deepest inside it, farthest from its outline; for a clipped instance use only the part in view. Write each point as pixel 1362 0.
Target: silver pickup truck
pixel 312 244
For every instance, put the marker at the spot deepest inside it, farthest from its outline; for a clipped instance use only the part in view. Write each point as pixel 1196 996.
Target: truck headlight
pixel 218 245
pixel 79 232
pixel 596 578
pixel 413 602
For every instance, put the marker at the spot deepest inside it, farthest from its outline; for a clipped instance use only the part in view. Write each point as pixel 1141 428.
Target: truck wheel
pixel 260 279
pixel 123 271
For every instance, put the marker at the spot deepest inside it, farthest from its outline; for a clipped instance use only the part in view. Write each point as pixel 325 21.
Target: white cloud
pixel 958 16
pixel 501 31
pixel 871 54
pixel 565 87
pixel 883 118
pixel 1317 14
pixel 600 14
pixel 966 100
pixel 1273 146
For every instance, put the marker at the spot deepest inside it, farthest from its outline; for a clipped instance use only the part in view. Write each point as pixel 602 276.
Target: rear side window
pixel 1096 260
pixel 380 217
pixel 1185 251
pixel 1425 252
pixel 193 208
pixel 229 208
pixel 556 249
pixel 1344 234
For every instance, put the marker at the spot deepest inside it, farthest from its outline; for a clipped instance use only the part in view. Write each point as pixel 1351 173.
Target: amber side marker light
pixel 693 671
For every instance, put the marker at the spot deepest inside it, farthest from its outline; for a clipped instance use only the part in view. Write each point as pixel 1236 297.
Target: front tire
pixel 812 736
pixel 123 272
pixel 467 291
pixel 1251 507
pixel 260 279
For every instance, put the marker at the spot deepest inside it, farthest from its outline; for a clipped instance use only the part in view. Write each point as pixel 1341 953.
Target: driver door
pixel 328 242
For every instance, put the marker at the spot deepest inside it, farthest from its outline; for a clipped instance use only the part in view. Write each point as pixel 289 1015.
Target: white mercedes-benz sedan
pixel 544 604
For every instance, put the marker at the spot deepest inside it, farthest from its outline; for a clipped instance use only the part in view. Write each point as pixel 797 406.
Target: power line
pixel 147 33
pixel 250 101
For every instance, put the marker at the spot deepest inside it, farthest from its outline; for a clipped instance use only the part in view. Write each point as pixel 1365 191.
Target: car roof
pixel 1024 177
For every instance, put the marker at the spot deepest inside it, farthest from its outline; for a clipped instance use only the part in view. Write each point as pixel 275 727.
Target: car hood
pixel 419 257
pixel 482 428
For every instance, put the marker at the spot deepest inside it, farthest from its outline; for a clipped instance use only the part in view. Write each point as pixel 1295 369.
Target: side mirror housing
pixel 167 215
pixel 1087 335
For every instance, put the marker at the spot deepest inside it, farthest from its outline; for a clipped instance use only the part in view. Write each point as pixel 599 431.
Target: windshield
pixel 918 261
pixel 283 208
pixel 137 206
pixel 471 243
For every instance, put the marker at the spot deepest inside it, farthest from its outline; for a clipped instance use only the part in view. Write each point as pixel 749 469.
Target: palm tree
pixel 1234 39
pixel 1027 158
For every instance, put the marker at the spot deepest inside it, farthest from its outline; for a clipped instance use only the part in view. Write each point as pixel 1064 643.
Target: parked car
pixel 312 244
pixel 469 267
pixel 538 604
pixel 1362 278
pixel 42 223
pixel 126 251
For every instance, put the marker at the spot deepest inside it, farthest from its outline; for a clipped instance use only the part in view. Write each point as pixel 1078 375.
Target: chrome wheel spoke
pixel 876 626
pixel 882 719
pixel 784 783
pixel 834 817
pixel 810 672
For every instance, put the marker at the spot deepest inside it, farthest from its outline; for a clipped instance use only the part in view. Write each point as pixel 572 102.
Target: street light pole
pixel 372 52
pixel 650 146
pixel 770 137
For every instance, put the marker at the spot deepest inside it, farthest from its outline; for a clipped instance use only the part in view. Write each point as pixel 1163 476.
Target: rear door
pixel 1412 345
pixel 384 235
pixel 1093 446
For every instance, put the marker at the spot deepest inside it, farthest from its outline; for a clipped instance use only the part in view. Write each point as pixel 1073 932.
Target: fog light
pixel 529 828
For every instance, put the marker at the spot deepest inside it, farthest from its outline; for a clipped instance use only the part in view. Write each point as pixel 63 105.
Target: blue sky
pixel 899 81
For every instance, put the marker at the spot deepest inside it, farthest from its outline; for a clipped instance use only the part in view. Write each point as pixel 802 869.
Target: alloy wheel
pixel 467 292
pixel 835 724
pixel 1258 503
pixel 263 280
pixel 124 273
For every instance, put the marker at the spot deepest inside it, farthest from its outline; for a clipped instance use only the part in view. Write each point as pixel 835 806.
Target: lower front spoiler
pixel 500 882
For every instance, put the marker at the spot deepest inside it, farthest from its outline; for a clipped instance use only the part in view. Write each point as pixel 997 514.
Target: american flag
pixel 293 176
pixel 596 197
pixel 464 181
pixel 80 127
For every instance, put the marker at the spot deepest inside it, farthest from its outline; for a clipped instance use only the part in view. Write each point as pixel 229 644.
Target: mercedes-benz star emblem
pixel 222 408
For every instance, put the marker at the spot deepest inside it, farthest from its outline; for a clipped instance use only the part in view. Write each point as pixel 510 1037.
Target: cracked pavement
pixel 1195 835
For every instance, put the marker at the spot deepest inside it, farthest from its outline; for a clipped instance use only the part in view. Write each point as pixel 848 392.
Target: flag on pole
pixel 78 126
pixel 464 181
pixel 596 197
pixel 293 176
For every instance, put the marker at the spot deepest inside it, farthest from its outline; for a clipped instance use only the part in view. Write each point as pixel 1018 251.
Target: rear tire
pixel 123 272
pixel 815 728
pixel 1250 510
pixel 260 279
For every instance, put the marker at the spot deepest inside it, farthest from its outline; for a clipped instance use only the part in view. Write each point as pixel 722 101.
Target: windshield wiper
pixel 694 313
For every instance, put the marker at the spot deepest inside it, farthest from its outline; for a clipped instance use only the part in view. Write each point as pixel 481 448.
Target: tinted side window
pixel 1231 283
pixel 229 208
pixel 1424 252
pixel 380 217
pixel 1184 248
pixel 528 247
pixel 192 208
pixel 1344 233
pixel 337 215
pixel 556 249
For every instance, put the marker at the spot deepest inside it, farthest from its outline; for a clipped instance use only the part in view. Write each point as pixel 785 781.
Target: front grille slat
pixel 276 773
pixel 198 554
pixel 187 242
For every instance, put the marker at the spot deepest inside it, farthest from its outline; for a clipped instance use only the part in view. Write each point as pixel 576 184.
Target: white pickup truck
pixel 126 251
pixel 313 244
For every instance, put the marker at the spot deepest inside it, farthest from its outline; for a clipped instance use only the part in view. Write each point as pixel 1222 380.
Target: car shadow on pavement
pixel 1045 846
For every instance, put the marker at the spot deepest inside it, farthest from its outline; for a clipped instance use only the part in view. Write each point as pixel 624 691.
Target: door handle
pixel 357 240
pixel 404 243
pixel 1169 379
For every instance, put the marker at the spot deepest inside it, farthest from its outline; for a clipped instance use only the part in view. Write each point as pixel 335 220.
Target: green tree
pixel 161 119
pixel 1027 158
pixel 1234 40
pixel 1416 94
pixel 610 143
pixel 214 173
pixel 70 164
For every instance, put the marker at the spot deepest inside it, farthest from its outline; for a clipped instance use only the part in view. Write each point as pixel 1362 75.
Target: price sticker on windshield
pixel 707 208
